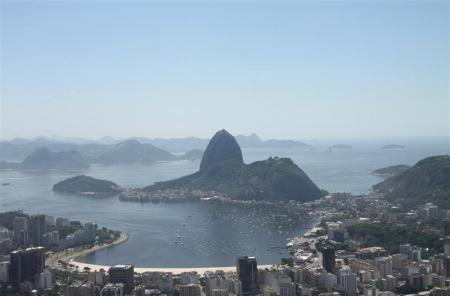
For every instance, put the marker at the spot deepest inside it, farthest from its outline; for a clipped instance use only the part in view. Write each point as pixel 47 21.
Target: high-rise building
pixel 446 227
pixel 384 266
pixel 90 230
pixel 247 270
pixel 347 280
pixel 190 290
pixel 113 290
pixel 20 223
pixel 24 265
pixel 418 281
pixel 37 229
pixel 122 274
pixel 329 260
pixel 447 245
pixel 21 233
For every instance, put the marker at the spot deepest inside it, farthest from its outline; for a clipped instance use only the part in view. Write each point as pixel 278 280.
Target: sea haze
pixel 202 234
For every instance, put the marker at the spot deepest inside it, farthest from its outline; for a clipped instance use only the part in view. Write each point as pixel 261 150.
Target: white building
pixel 187 278
pixel 4 272
pixel 44 280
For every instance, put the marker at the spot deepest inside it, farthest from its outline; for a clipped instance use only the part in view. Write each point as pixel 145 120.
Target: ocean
pixel 206 234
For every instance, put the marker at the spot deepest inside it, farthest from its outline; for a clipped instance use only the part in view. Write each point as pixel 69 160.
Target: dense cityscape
pixel 224 148
pixel 346 254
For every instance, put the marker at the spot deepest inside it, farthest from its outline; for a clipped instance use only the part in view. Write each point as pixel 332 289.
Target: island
pixel 393 147
pixel 339 146
pixel 390 170
pixel 87 186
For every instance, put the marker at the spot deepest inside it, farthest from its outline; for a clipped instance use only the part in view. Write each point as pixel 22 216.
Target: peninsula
pixel 222 170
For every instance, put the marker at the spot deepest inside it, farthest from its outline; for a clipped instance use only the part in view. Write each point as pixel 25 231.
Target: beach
pixel 70 256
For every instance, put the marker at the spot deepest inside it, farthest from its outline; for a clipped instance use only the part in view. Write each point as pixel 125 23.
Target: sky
pixel 301 70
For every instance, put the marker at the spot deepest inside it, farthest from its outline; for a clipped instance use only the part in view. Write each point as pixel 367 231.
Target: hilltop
pixel 390 170
pixel 222 170
pixel 427 181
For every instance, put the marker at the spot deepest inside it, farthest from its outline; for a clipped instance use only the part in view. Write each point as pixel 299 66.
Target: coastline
pixel 174 270
pixel 70 257
pixel 71 254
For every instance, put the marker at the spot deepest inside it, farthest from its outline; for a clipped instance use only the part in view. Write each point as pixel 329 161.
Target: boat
pixel 6 184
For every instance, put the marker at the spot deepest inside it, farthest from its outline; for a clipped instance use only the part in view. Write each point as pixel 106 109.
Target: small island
pixel 390 170
pixel 87 186
pixel 339 147
pixel 393 147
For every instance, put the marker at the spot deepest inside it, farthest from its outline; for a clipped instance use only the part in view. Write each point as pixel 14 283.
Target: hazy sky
pixel 288 70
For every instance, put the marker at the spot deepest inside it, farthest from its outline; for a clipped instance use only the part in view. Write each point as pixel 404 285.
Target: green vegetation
pixel 85 185
pixel 391 170
pixel 222 170
pixel 325 243
pixel 271 179
pixel 106 236
pixel 427 181
pixel 65 230
pixel 390 236
pixel 6 218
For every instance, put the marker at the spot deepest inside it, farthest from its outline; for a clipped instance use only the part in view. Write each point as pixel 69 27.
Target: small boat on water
pixel 6 184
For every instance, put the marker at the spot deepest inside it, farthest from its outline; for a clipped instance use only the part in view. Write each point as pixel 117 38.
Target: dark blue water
pixel 205 234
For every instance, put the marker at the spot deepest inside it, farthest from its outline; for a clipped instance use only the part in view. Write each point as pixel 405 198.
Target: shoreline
pixel 174 270
pixel 70 255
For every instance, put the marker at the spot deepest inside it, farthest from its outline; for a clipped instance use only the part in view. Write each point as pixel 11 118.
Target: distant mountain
pixel 131 152
pixel 192 155
pixel 274 143
pixel 44 159
pixel 222 170
pixel 427 181
pixel 391 170
pixel 18 149
pixel 253 141
pixel 176 144
pixel 249 141
pixel 88 186
pixel 393 147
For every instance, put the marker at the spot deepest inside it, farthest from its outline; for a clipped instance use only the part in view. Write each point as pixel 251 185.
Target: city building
pixel 329 259
pixel 44 280
pixel 347 280
pixel 122 274
pixel 247 270
pixel 187 278
pixel 162 281
pixel 189 290
pixel 4 272
pixel 116 289
pixel 37 229
pixel 62 222
pixel 24 265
